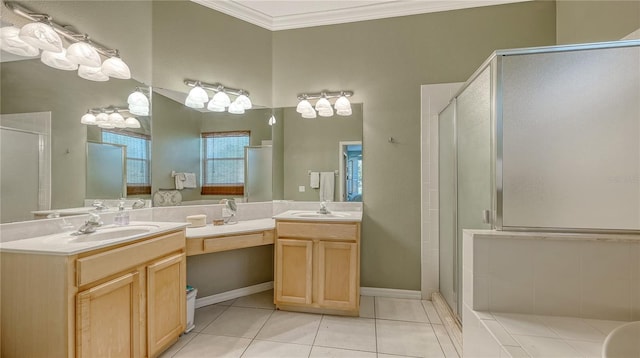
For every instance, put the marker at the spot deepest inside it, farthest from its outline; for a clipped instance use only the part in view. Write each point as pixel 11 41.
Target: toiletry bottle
pixel 122 217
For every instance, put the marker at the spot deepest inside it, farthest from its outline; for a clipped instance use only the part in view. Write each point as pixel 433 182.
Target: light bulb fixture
pixel 109 117
pixel 102 117
pixel 323 105
pixel 116 68
pixel 43 33
pixel 88 118
pixel 116 119
pixel 10 42
pixel 132 122
pixel 92 73
pixel 138 103
pixel 272 120
pixel 197 97
pixel 58 60
pixel 221 100
pixel 192 103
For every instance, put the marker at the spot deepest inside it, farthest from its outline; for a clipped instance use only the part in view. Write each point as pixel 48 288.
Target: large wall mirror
pixel 274 161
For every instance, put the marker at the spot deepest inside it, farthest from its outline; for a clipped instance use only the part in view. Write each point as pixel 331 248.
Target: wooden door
pixel 166 302
pixel 294 275
pixel 338 275
pixel 108 319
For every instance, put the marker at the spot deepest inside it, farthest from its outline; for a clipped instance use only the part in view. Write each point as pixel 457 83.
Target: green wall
pixel 593 21
pixel 385 62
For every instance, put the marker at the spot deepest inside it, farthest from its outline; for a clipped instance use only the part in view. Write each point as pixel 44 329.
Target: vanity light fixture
pixel 323 105
pixel 109 117
pixel 220 100
pixel 138 102
pixel 43 33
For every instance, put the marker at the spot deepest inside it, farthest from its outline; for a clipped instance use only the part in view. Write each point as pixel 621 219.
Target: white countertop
pixel 67 244
pixel 222 230
pixel 307 215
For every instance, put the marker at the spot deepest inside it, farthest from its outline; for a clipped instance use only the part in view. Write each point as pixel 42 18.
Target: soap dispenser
pixel 122 217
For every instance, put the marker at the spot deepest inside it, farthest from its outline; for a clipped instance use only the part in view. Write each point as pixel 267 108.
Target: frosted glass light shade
pixel 88 118
pixel 102 117
pixel 116 68
pixel 191 103
pixel 344 112
pixel 322 103
pixel 213 108
pixel 309 114
pixel 139 110
pixel 11 43
pixel 235 107
pixel 325 112
pixel 41 36
pixel 198 94
pixel 84 54
pixel 116 117
pixel 58 60
pixel 304 106
pixel 272 120
pixel 105 125
pixel 244 101
pixel 221 99
pixel 342 103
pixel 92 73
pixel 132 122
pixel 137 98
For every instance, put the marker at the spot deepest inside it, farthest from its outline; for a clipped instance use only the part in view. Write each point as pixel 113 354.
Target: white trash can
pixel 191 308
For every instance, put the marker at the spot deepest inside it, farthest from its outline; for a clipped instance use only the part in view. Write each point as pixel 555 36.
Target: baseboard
pixel 229 295
pixel 390 292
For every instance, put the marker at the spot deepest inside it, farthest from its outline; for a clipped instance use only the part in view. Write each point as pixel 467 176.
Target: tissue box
pixel 197 220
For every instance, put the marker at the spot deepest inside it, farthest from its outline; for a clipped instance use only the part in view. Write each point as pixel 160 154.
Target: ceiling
pixel 284 15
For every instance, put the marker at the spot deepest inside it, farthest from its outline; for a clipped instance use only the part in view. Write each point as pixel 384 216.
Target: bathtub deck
pixel 527 335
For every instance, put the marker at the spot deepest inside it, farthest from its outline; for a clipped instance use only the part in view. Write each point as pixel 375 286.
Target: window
pixel 138 163
pixel 223 162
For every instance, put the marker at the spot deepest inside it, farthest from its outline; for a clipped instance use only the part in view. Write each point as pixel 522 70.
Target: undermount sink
pixel 309 214
pixel 113 233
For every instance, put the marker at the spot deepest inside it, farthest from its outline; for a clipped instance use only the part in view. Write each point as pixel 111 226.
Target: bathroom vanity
pixel 317 262
pixel 120 292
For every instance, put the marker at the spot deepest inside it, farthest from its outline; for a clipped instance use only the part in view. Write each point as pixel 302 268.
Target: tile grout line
pixel 316 336
pixel 375 324
pixel 254 337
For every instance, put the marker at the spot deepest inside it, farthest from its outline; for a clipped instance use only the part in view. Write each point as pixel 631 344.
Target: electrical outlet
pixel 301 188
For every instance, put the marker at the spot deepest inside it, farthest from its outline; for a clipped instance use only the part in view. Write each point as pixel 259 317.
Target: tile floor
pixel 250 327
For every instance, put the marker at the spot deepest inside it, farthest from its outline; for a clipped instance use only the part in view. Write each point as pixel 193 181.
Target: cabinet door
pixel 108 319
pixel 293 271
pixel 166 302
pixel 337 274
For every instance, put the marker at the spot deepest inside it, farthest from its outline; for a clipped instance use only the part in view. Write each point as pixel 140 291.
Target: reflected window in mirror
pixel 137 158
pixel 223 162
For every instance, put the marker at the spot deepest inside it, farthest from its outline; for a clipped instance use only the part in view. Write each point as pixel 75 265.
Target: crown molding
pixel 361 13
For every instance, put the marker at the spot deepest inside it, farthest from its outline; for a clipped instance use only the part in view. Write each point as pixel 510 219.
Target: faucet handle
pixel 94 219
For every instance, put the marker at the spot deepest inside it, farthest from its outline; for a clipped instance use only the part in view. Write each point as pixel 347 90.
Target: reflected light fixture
pixel 43 33
pixel 138 102
pixel 88 118
pixel 109 117
pixel 132 122
pixel 11 43
pixel 323 105
pixel 272 120
pixel 220 100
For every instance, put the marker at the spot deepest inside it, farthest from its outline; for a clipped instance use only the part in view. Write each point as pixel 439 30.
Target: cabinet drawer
pixel 323 231
pixel 225 243
pixel 95 267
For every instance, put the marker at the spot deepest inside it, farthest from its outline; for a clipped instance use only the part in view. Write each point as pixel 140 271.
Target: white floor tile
pixel 226 303
pixel 407 338
pixel 515 352
pixel 182 341
pixel 546 347
pixel 290 327
pixel 326 352
pixel 205 315
pixel 238 322
pixel 445 341
pixel 524 324
pixel 348 333
pixel 587 349
pixel 367 309
pixel 382 355
pixel 432 314
pixel 267 349
pixel 205 345
pixel 400 309
pixel 258 300
pixel 604 326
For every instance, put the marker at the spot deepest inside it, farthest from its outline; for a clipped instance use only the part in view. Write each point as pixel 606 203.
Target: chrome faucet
pixel 99 205
pixel 323 208
pixel 90 225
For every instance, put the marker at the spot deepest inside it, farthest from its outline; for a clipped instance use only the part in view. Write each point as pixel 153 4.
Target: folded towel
pixel 327 183
pixel 314 180
pixel 180 179
pixel 190 180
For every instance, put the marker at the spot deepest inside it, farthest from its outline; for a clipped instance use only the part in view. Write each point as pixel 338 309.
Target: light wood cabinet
pixel 317 267
pixel 122 301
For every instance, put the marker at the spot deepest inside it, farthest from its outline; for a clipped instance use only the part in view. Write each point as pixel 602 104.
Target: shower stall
pixel 540 139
